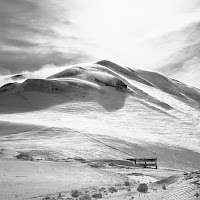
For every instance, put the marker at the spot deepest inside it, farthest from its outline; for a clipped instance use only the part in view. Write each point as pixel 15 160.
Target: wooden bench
pixel 144 161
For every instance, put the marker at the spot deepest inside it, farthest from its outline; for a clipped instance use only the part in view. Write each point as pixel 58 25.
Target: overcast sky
pixel 133 32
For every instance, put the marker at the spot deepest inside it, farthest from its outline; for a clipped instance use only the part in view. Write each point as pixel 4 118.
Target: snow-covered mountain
pixel 103 110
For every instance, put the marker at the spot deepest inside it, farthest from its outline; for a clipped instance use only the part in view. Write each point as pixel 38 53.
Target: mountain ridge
pixel 107 99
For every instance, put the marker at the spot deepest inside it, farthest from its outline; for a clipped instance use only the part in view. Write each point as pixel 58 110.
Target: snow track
pixel 182 192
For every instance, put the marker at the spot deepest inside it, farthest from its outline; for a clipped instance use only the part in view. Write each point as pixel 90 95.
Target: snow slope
pixel 103 101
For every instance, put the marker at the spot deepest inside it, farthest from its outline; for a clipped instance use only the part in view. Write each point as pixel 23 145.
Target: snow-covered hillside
pixel 89 110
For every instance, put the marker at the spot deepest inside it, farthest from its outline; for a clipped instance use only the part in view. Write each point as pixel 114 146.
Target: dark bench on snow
pixel 144 161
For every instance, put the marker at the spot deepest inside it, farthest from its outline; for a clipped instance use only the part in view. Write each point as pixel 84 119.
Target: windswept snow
pixel 105 99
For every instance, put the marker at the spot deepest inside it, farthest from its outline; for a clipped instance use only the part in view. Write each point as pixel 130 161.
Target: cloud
pixel 45 71
pixel 20 18
pixel 42 73
pixel 178 47
pixel 35 32
pixel 16 62
pixel 30 37
pixel 18 43
pixel 183 62
pixel 184 65
pixel 4 71
pixel 189 72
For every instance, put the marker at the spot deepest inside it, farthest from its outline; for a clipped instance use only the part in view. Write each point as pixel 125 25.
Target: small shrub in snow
pixel 127 183
pixel 112 189
pixel 59 195
pixel 76 193
pixel 85 197
pixel 24 156
pixel 96 165
pixel 142 188
pixel 112 164
pixel 196 194
pixel 97 195
pixel 164 187
pixel 47 197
